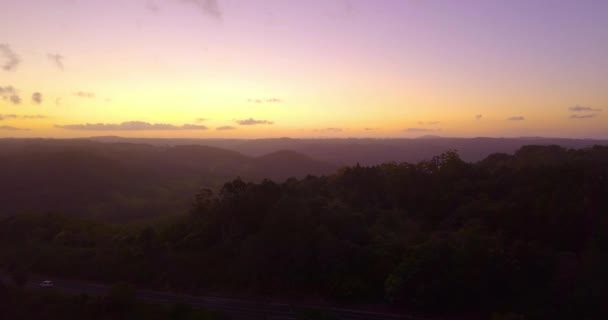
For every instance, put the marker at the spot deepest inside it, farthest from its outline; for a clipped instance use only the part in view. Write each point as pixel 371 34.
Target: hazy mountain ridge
pixel 114 179
pixel 368 151
pixel 125 177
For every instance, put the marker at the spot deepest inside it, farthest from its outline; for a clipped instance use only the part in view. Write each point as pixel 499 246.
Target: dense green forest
pixel 525 234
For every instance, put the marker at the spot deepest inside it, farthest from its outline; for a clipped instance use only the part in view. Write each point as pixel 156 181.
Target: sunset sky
pixel 315 68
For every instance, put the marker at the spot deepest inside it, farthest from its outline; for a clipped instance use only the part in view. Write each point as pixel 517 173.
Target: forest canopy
pixel 522 233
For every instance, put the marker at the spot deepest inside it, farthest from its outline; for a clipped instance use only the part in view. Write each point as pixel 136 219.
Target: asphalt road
pixel 235 308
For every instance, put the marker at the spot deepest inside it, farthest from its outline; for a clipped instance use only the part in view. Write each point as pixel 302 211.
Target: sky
pixel 314 68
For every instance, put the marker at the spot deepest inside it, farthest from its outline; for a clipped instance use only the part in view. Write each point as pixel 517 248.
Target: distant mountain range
pixel 372 151
pixel 113 180
pixel 117 178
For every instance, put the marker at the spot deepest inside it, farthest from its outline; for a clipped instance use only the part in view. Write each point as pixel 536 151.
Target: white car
pixel 47 284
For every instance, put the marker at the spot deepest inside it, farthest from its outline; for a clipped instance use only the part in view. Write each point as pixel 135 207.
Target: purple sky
pixel 348 64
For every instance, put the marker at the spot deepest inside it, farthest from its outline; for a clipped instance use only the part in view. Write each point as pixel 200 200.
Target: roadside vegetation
pixel 120 303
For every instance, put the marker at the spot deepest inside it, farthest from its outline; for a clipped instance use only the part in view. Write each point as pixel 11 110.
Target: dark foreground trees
pixel 49 305
pixel 520 235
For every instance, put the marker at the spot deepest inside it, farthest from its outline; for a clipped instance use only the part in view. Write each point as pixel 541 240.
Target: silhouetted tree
pixel 512 235
pixel 121 297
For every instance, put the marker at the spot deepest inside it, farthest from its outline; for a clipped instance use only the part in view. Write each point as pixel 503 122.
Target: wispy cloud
pixel 37 97
pixel 428 123
pixel 34 116
pixel 15 99
pixel 7 116
pixel 370 129
pixel 252 122
pixel 7 90
pixel 210 8
pixel 478 116
pixel 85 94
pixel 152 6
pixel 265 100
pixel 130 126
pixel 225 128
pixel 331 129
pixel 11 59
pixel 579 108
pixel 583 116
pixel 516 118
pixel 193 127
pixel 58 101
pixel 14 116
pixel 199 120
pixel 9 93
pixel 56 59
pixel 420 130
pixel 11 128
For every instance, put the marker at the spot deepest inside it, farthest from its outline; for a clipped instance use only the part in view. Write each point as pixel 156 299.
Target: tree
pixel 121 297
pixel 19 276
pixel 180 311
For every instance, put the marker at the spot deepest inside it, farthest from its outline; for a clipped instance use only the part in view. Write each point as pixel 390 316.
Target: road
pixel 235 308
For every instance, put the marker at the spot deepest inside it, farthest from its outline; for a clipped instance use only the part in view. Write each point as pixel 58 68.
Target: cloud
pixel 7 116
pixel 12 60
pixel 37 97
pixel 579 108
pixel 15 99
pixel 370 129
pixel 478 116
pixel 428 123
pixel 8 90
pixel 153 7
pixel 84 94
pixel 34 116
pixel 419 130
pixel 208 7
pixel 516 118
pixel 224 128
pixel 193 127
pixel 130 126
pixel 252 122
pixel 199 120
pixel 14 116
pixel 265 100
pixel 331 130
pixel 10 93
pixel 57 101
pixel 57 59
pixel 583 116
pixel 9 128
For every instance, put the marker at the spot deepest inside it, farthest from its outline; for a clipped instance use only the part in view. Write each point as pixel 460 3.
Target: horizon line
pixel 311 138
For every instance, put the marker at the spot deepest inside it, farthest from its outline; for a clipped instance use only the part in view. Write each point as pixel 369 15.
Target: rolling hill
pixel 127 180
pixel 365 151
